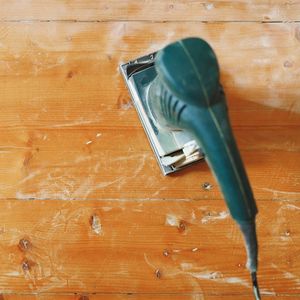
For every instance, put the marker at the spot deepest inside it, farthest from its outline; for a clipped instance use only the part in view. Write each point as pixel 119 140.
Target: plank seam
pixel 146 21
pixel 150 294
pixel 142 200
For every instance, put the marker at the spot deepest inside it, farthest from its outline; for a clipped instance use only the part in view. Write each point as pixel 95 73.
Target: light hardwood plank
pixel 194 296
pixel 96 164
pixel 44 75
pixel 142 247
pixel 155 10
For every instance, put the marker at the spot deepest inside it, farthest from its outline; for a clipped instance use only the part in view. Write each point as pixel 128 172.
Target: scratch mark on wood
pixel 289 207
pixel 72 124
pixel 30 176
pixel 292 276
pixel 276 192
pixel 267 292
pixel 148 262
pixel 215 217
pixel 218 277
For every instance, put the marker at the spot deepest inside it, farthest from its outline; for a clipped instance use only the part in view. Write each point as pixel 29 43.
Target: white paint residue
pixel 167 39
pixel 30 176
pixel 209 6
pixel 277 193
pixel 267 292
pixel 285 238
pixel 126 106
pixel 220 216
pixel 21 196
pixel 156 193
pixel 88 186
pixel 116 34
pixel 129 157
pixel 236 280
pixel 75 123
pixel 148 262
pixel 207 275
pixel 88 142
pixel 142 162
pixel 198 297
pixel 106 208
pixel 186 266
pixel 98 134
pixel 203 274
pixel 265 41
pixel 80 159
pixel 261 61
pixel 172 220
pixel 193 215
pixel 289 207
pixel 105 184
pixel 289 275
pixel 280 192
pixel 97 167
pixel 13 147
pixel 13 273
pixel 218 277
pixel 96 225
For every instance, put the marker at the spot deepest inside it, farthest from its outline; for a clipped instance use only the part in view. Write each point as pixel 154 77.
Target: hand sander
pixel 182 106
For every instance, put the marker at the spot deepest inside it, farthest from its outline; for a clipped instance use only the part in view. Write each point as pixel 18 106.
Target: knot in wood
pixel 26 266
pixel 24 244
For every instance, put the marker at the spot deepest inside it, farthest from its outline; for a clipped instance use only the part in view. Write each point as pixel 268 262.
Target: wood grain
pixel 85 212
pixel 53 62
pixel 155 10
pixel 193 296
pixel 142 246
pixel 96 164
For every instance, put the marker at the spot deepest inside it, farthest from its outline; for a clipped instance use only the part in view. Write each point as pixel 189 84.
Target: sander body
pixel 183 109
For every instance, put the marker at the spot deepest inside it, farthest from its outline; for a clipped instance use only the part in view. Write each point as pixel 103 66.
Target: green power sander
pixel 182 107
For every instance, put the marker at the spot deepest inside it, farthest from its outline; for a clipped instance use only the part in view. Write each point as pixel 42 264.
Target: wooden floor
pixel 85 212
